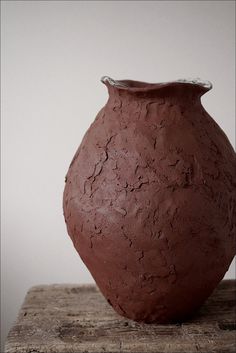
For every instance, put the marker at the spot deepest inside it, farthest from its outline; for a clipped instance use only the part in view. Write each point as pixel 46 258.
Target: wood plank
pixel 75 319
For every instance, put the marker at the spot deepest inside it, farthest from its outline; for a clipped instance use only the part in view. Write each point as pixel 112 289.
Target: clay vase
pixel 150 200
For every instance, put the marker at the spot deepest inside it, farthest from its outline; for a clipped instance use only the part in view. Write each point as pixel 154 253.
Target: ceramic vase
pixel 150 199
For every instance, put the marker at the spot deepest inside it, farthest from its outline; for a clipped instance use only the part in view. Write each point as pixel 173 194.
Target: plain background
pixel 53 56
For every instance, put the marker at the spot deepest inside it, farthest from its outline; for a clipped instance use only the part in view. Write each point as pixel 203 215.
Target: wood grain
pixel 75 319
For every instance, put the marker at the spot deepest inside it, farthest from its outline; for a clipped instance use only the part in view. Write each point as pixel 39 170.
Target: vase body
pixel 150 200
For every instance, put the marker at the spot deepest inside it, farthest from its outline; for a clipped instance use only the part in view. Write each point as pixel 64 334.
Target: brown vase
pixel 150 199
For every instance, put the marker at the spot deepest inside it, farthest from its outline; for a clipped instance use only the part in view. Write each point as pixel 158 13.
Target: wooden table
pixel 74 319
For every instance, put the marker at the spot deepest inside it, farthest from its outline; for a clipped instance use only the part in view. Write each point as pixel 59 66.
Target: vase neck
pixel 183 89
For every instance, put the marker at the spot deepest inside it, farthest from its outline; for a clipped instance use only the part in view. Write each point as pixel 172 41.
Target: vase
pixel 150 200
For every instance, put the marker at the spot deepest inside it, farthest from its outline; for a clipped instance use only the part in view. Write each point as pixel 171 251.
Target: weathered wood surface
pixel 74 319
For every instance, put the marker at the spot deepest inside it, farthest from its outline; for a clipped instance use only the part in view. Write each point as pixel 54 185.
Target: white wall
pixel 53 55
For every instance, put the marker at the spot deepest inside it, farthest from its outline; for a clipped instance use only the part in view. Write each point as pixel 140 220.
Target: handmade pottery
pixel 150 199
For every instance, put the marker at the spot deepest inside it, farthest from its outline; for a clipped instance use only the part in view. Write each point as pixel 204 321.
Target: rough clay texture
pixel 150 201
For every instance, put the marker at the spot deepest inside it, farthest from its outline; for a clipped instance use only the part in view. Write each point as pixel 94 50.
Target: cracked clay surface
pixel 150 201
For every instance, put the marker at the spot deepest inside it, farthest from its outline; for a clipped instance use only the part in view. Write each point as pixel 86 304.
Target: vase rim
pixel 140 86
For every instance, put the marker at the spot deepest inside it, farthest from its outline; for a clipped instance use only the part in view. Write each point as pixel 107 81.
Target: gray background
pixel 53 55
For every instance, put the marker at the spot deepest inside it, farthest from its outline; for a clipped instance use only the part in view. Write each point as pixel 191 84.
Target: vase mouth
pixel 140 86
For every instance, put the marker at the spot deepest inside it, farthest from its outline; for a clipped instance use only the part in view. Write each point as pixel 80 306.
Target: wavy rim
pixel 139 86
